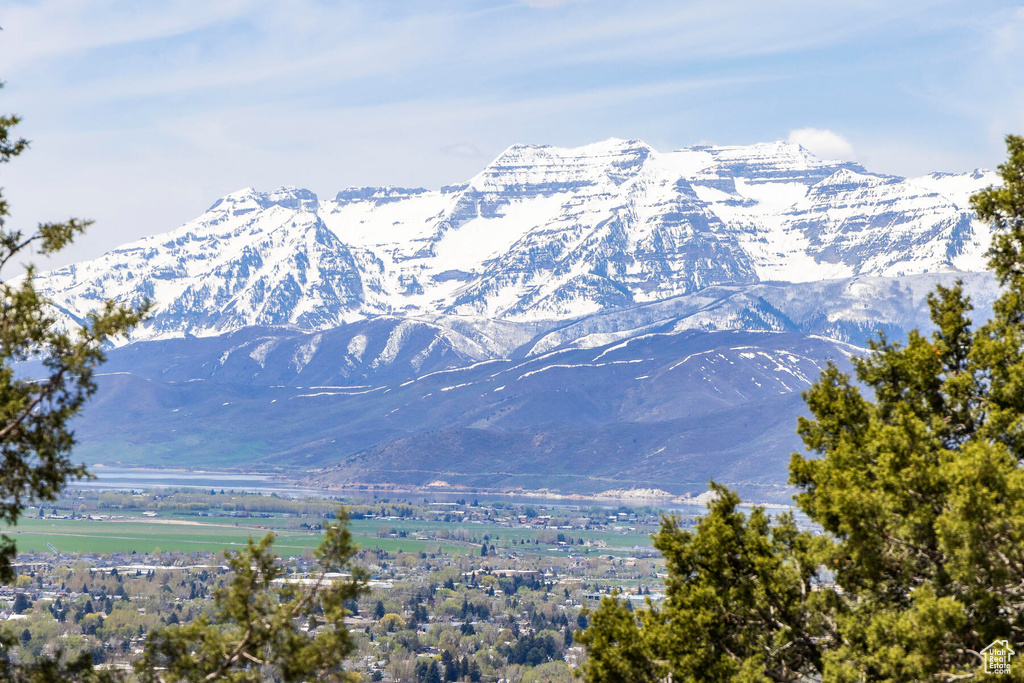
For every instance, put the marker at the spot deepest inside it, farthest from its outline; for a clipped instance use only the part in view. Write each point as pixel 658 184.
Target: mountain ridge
pixel 586 319
pixel 541 233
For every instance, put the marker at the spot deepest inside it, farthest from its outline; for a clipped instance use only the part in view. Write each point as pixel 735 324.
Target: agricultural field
pixel 190 521
pixel 144 536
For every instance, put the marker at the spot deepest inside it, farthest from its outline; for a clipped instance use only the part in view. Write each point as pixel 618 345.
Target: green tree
pixel 917 480
pixel 35 411
pixel 35 436
pixel 256 633
pixel 21 603
pixel 451 666
pixel 620 648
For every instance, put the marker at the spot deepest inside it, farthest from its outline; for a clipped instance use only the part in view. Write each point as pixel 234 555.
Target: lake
pixel 141 478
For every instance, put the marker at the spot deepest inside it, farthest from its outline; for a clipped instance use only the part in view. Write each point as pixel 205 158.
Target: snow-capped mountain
pixel 665 409
pixel 575 319
pixel 541 234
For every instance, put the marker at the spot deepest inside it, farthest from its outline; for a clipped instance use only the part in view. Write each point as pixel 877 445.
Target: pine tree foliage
pixel 36 411
pixel 916 479
pixel 54 669
pixel 35 436
pixel 259 631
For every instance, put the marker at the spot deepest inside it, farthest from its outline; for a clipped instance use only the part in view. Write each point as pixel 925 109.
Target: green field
pixel 189 533
pixel 143 536
pixel 146 536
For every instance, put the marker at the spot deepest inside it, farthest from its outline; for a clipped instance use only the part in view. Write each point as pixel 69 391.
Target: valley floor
pixel 479 590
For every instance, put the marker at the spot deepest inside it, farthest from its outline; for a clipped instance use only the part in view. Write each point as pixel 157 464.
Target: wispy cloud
pixel 204 97
pixel 823 143
pixel 52 29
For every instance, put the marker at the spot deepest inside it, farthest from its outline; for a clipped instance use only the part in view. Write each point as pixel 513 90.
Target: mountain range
pixel 604 317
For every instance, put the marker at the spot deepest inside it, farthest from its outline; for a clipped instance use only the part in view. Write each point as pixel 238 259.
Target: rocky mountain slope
pixel 540 234
pixel 582 319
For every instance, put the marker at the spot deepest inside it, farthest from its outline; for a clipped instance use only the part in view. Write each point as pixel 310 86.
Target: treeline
pixel 187 500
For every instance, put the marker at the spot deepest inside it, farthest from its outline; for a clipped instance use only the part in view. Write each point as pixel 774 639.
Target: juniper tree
pixel 917 480
pixel 257 633
pixel 36 408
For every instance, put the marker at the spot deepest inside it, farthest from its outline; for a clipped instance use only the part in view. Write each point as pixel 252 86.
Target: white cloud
pixel 56 28
pixel 169 105
pixel 823 143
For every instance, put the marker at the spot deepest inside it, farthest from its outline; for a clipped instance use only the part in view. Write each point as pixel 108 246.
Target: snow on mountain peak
pixel 249 199
pixel 540 233
pixel 376 195
pixel 544 169
pixel 847 179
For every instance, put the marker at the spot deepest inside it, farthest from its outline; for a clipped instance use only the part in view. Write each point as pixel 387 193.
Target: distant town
pixel 465 590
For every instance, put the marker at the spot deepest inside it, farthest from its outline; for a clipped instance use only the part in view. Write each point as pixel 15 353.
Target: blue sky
pixel 141 114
